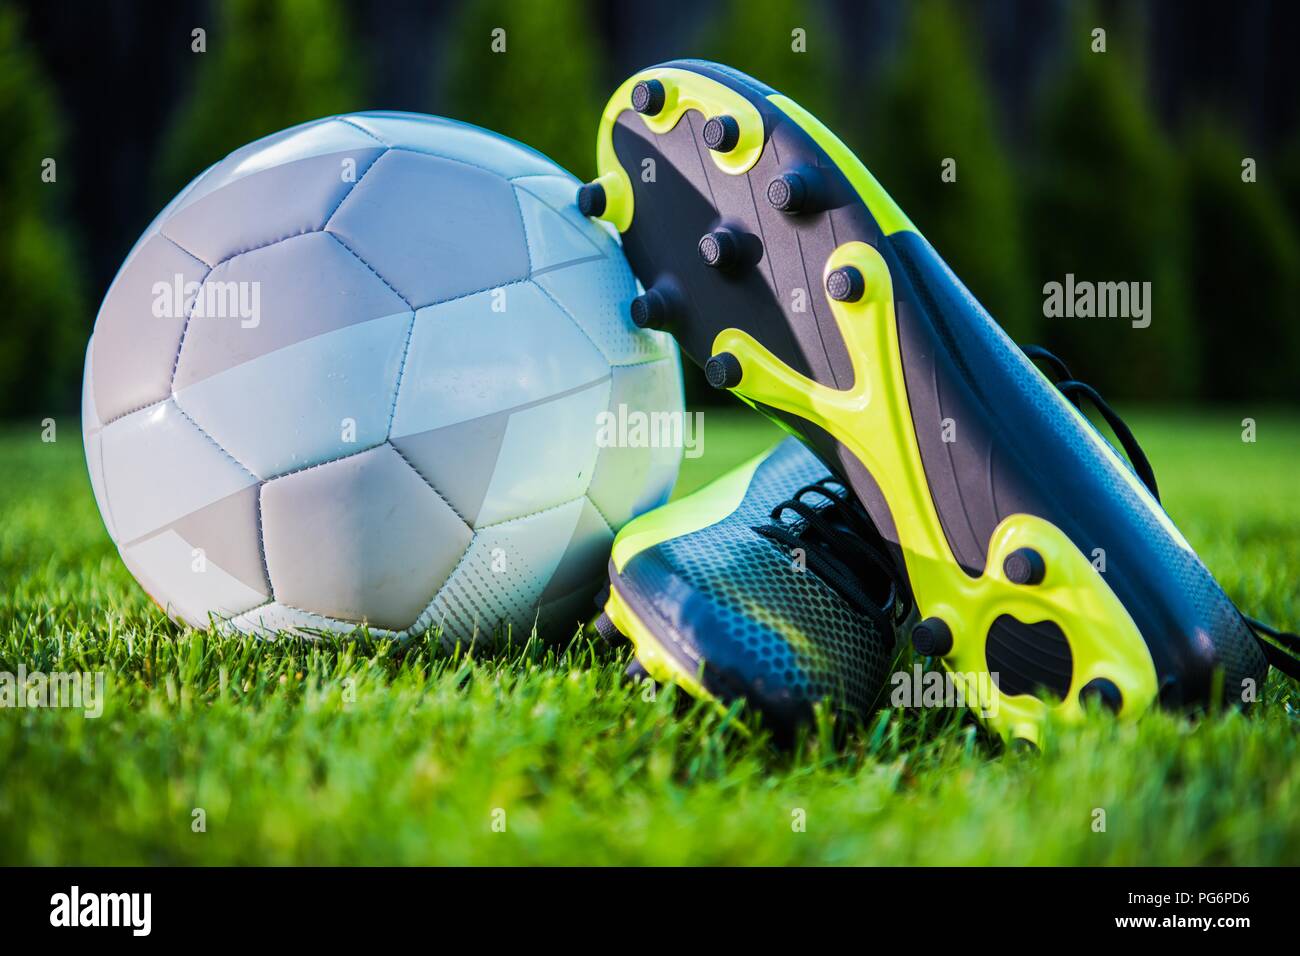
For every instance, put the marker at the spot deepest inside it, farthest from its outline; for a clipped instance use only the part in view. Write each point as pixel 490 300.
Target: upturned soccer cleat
pixel 769 584
pixel 1043 567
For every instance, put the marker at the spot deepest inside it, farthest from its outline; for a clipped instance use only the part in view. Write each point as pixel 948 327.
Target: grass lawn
pixel 356 753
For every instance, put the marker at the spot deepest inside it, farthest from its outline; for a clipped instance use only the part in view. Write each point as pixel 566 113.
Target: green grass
pixel 359 752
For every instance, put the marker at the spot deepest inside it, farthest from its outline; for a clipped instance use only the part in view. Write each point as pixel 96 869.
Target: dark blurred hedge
pixel 42 291
pixel 1093 186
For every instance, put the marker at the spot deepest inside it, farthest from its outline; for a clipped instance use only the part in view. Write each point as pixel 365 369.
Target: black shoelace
pixel 840 544
pixel 1075 390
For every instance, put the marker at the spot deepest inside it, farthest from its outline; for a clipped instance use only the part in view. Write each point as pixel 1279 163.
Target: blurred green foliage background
pixel 1066 164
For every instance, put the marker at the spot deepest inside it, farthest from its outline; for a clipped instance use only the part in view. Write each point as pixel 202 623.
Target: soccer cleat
pixel 769 584
pixel 1042 563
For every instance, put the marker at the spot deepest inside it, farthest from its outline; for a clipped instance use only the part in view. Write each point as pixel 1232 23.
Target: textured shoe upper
pixel 768 629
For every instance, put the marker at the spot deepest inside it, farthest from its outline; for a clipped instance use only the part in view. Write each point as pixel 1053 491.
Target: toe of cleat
pixel 722 133
pixel 648 97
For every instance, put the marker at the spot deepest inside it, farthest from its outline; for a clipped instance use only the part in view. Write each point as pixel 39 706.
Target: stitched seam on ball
pixel 328 461
pixel 347 120
pixel 344 198
pixel 465 295
pixel 202 262
pixel 261 544
pixel 410 331
pixel 397 387
pixel 373 270
pixel 523 225
pixel 216 444
pixel 406 148
pixel 153 404
pixel 576 323
pixel 421 476
pixel 531 514
pixel 603 517
pixel 185 327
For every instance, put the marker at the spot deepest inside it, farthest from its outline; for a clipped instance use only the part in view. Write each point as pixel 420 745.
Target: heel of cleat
pixel 648 97
pixel 721 133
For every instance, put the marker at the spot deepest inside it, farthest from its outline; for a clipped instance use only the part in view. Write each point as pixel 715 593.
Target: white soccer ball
pixel 355 374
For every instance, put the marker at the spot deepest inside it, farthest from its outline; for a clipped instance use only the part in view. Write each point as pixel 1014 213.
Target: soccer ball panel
pixel 559 192
pixel 360 539
pixel 642 440
pixel 138 331
pixel 443 137
pixel 292 291
pixel 435 229
pixel 267 206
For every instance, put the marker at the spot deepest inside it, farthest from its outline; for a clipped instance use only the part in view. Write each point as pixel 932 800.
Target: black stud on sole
pixel 591 199
pixel 723 370
pixel 654 309
pixel 846 284
pixel 1024 566
pixel 932 638
pixel 720 249
pixel 798 190
pixel 648 97
pixel 787 192
pixel 721 134
pixel 1104 691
